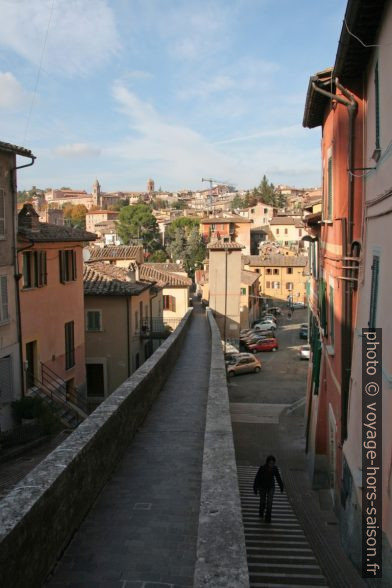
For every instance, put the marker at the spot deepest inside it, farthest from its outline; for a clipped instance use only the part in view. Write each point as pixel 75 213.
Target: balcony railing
pixel 157 327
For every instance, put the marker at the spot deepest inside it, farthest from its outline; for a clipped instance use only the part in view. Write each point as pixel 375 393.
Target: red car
pixel 264 345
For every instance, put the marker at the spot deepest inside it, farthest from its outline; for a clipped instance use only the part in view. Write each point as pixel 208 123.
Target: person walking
pixel 264 483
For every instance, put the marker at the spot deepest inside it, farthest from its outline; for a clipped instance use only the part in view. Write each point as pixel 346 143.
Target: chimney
pixel 133 273
pixel 28 218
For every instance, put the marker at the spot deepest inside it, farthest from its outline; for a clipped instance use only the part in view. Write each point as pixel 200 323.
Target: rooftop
pixel 31 229
pixel 224 245
pixel 15 149
pixel 115 252
pixel 225 219
pixel 149 271
pixel 277 260
pixel 102 279
pixel 249 278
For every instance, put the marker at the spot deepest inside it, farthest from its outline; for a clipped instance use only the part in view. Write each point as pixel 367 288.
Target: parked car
pixel 304 352
pixel 275 310
pixel 264 345
pixel 265 326
pixel 244 365
pixel 233 357
pixel 303 331
pixel 254 340
pixel 295 305
pixel 265 317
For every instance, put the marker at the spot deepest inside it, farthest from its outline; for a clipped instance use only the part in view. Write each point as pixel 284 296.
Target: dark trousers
pixel 266 498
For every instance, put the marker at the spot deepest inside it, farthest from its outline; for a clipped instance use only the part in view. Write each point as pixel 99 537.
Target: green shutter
pixel 322 305
pixel 331 315
pixel 330 191
pixel 316 365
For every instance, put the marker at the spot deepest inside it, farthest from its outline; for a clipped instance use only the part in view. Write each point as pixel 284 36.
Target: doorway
pixel 31 367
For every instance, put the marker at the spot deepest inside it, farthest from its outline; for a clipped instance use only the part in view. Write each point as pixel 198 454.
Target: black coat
pixel 265 479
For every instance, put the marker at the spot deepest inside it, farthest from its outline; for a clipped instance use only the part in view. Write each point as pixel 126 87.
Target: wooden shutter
pixel 330 191
pixel 3 299
pixel 374 292
pixel 73 253
pixel 377 105
pixel 331 315
pixel 62 266
pixel 69 345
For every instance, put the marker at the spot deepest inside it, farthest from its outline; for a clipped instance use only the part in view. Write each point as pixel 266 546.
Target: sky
pixel 173 90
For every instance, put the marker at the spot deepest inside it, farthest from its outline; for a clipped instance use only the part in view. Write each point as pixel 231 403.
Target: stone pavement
pixel 142 531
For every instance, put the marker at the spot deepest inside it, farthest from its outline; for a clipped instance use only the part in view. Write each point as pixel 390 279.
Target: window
pixel 2 214
pixel 374 292
pixel 289 285
pixel 268 284
pixel 93 320
pixel 169 303
pixel 34 269
pixel 277 231
pixel 286 231
pixel 243 291
pixel 289 270
pixel 67 265
pixel 269 271
pixel 4 316
pixel 276 285
pixel 331 316
pixel 69 345
pixel 299 232
pixel 276 272
pixel 95 380
pixel 377 106
pixel 265 210
pixel 329 188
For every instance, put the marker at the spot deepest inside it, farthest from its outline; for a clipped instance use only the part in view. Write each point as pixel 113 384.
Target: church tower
pixel 96 193
pixel 150 186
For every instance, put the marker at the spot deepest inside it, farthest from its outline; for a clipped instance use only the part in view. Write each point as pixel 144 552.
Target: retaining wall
pixel 221 551
pixel 39 517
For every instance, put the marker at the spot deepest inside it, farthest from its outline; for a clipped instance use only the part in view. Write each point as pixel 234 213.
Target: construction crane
pixel 212 181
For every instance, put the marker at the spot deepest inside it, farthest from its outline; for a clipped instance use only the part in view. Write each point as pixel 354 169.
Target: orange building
pixel 232 229
pixel 51 301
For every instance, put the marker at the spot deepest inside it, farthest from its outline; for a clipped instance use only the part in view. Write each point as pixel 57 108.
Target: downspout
pixel 151 322
pixel 347 238
pixel 16 264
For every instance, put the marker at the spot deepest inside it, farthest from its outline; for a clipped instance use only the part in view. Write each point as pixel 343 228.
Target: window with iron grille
pixel 34 269
pixel 69 345
pixel 2 214
pixel 67 265
pixel 169 303
pixel 93 320
pixel 4 315
pixel 374 292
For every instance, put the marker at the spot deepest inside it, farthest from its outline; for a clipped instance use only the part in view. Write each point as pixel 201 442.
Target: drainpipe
pixel 347 239
pixel 13 181
pixel 128 338
pixel 151 322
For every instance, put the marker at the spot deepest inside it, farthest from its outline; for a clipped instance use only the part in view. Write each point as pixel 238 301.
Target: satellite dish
pixel 86 254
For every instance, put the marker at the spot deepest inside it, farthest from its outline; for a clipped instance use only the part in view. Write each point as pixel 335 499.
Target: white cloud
pixel 12 95
pixel 81 37
pixel 289 131
pixel 77 150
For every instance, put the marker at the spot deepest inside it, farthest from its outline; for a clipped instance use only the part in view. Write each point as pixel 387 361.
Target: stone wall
pixel 221 551
pixel 39 517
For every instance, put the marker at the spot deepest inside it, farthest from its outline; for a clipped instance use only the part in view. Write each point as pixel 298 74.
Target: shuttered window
pixel 6 388
pixel 34 269
pixel 374 291
pixel 2 214
pixel 67 265
pixel 69 345
pixel 4 315
pixel 93 320
pixel 331 316
pixel 322 306
pixel 169 303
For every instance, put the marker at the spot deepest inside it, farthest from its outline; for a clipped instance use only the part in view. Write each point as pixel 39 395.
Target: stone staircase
pixel 279 554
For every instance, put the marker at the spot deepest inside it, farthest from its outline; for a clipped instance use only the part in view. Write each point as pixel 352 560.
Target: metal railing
pixel 56 385
pixel 157 327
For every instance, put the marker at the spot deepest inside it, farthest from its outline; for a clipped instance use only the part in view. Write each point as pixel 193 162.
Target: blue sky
pixel 175 90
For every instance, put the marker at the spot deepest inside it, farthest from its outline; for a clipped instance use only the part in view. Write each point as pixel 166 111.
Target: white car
pixel 304 352
pixel 265 326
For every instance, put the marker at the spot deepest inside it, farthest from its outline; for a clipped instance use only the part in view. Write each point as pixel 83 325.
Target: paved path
pixel 142 531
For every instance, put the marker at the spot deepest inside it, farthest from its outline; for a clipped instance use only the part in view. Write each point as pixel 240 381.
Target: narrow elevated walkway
pixel 143 527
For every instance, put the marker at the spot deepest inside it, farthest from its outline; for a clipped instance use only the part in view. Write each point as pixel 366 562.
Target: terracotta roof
pixel 102 279
pixel 15 149
pixel 222 220
pixel 49 233
pixel 109 212
pixel 249 278
pixel 149 272
pixel 114 252
pixel 169 267
pixel 231 245
pixel 284 220
pixel 277 260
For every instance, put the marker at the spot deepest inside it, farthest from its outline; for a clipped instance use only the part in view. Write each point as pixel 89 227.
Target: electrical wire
pixel 38 73
pixel 360 40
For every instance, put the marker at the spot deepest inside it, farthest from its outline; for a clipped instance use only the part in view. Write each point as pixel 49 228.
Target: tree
pixel 266 192
pixel 159 256
pixel 75 214
pixel 195 252
pixel 137 223
pixel 185 223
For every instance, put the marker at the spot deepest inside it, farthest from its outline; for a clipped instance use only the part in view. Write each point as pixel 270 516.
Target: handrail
pixel 70 394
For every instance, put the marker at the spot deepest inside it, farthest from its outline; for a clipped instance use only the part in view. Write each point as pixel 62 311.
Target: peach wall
pixel 45 311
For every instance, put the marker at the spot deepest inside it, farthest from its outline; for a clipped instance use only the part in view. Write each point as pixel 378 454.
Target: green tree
pixel 266 192
pixel 185 223
pixel 159 256
pixel 195 252
pixel 75 214
pixel 237 202
pixel 137 223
